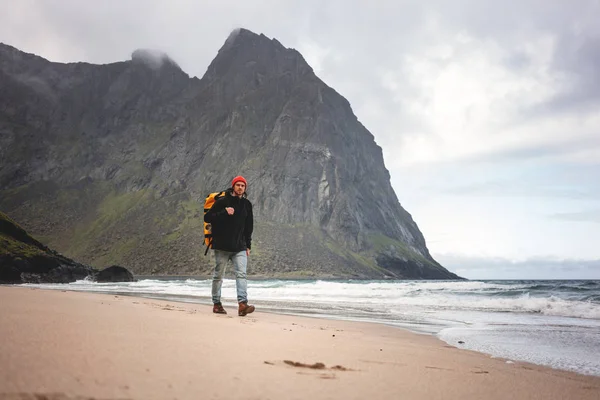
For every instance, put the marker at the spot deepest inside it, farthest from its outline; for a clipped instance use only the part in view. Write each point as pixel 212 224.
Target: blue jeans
pixel 240 261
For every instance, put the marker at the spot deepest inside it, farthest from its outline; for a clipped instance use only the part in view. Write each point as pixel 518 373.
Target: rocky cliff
pixel 23 259
pixel 111 164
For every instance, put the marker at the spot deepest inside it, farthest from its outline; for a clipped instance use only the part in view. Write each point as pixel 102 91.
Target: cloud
pixel 578 55
pixel 539 179
pixel 473 107
pixel 582 216
pixel 532 268
pixel 152 58
pixel 523 188
pixel 464 81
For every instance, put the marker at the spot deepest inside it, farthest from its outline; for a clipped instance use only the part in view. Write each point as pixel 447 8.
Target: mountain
pixel 111 164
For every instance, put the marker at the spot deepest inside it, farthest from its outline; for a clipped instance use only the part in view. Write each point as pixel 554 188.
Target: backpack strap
pixel 208 246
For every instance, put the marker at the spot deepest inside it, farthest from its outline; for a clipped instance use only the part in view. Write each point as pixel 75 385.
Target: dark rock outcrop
pixel 25 260
pixel 114 273
pixel 9 274
pixel 111 163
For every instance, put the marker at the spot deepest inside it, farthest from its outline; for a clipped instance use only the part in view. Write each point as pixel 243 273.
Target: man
pixel 232 223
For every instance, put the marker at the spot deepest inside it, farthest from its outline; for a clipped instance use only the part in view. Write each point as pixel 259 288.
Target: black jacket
pixel 231 232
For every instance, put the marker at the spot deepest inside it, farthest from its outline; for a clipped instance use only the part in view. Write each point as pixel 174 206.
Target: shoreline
pixel 69 343
pixel 514 345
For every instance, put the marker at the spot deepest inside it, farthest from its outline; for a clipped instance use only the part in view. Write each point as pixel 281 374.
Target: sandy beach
pixel 69 345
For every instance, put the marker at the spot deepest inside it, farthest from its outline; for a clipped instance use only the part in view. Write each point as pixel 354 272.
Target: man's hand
pixel 229 210
pixel 247 252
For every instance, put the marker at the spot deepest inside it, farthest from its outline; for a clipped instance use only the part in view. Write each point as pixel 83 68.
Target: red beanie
pixel 239 179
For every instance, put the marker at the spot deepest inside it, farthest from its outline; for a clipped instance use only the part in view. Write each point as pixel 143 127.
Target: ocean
pixel 552 323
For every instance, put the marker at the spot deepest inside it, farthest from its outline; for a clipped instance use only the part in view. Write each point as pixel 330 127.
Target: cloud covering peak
pixel 152 58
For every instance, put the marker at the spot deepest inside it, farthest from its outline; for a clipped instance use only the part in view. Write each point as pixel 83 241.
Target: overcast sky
pixel 488 112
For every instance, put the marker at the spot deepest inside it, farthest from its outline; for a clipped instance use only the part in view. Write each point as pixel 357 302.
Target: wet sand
pixel 69 345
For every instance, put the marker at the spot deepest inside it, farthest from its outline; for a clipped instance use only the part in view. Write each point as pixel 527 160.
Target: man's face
pixel 239 188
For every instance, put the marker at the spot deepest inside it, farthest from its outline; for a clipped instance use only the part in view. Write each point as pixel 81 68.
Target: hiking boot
pixel 218 309
pixel 244 309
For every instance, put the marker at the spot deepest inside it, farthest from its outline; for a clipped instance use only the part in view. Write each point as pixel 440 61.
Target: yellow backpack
pixel 208 203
